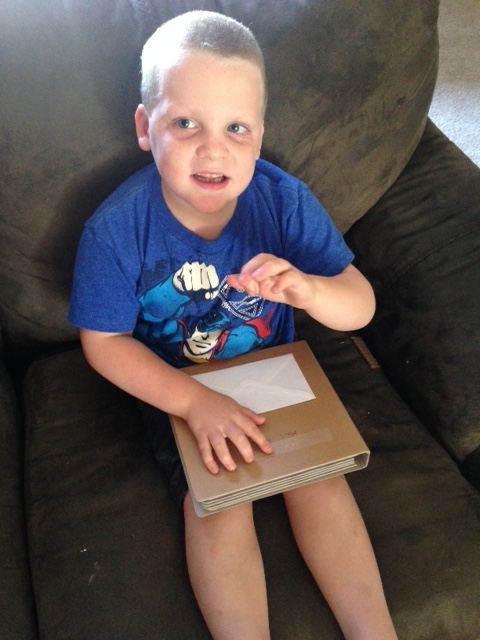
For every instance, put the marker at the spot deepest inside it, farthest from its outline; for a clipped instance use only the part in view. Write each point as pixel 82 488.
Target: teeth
pixel 209 178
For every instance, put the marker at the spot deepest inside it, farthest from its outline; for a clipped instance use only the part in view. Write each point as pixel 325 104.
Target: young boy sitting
pixel 203 255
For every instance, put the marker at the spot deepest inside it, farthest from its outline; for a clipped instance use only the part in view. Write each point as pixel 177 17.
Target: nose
pixel 212 146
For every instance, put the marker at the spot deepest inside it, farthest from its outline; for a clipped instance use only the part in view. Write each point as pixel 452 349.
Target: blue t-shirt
pixel 138 269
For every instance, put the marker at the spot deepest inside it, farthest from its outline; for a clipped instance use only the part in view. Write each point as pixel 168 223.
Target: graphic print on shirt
pixel 193 315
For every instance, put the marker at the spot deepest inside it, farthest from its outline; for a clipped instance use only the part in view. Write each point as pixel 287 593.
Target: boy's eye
pixel 184 123
pixel 236 128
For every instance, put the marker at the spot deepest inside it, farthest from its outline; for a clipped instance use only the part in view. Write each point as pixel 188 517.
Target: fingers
pixel 263 265
pixel 215 443
pixel 261 268
pixel 265 275
pixel 206 452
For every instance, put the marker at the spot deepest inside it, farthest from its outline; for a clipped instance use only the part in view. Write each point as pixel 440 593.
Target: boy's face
pixel 205 134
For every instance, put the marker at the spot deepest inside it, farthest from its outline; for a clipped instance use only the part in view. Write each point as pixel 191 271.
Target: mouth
pixel 210 178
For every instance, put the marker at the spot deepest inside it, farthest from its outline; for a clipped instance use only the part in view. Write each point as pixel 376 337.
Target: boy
pixel 203 255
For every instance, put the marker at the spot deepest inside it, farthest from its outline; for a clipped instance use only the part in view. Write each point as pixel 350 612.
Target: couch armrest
pixel 420 248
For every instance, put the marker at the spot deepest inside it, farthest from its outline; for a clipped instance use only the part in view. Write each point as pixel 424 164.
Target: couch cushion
pixel 423 517
pixel 420 247
pixel 17 611
pixel 350 86
pixel 106 541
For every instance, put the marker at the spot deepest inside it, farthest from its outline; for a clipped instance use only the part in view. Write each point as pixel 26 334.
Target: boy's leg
pixel 226 572
pixel 333 540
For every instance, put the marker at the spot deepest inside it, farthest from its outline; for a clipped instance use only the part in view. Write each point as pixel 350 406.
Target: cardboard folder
pixel 311 433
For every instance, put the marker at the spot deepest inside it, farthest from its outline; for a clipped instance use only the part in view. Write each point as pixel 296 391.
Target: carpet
pixel 455 107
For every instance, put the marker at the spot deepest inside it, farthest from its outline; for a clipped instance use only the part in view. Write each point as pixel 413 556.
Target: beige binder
pixel 314 438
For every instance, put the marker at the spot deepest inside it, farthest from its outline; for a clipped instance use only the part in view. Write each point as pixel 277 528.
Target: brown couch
pixel 91 544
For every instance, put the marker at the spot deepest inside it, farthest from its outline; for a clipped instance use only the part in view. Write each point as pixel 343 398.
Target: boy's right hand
pixel 216 418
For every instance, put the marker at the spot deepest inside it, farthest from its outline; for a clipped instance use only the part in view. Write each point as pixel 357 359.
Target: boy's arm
pixel 211 416
pixel 344 302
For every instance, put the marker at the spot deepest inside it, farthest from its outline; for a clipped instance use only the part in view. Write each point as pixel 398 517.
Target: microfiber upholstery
pixel 471 468
pixel 17 613
pixel 106 541
pixel 419 246
pixel 418 511
pixel 359 86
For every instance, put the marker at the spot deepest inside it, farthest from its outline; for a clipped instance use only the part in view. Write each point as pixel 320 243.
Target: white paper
pixel 261 386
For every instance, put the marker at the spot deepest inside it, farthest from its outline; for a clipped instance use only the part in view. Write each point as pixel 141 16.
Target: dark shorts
pixel 160 434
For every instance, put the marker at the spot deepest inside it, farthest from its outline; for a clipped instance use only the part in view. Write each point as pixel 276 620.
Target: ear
pixel 261 141
pixel 142 126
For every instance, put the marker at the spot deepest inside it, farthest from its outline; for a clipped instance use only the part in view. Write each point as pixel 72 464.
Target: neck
pixel 210 229
pixel 208 225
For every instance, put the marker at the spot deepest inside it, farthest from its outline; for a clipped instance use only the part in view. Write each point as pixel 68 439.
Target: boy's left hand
pixel 276 280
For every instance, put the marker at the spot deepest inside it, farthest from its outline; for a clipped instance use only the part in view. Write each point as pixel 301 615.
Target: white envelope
pixel 261 386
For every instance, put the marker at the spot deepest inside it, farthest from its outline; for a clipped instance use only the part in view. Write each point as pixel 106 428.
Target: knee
pixel 328 488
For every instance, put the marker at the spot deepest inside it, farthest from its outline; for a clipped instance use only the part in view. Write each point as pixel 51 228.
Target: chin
pixel 216 209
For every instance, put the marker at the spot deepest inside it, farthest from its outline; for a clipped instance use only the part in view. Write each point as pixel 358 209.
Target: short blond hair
pixel 202 31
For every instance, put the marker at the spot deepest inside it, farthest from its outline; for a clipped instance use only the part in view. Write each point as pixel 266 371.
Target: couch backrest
pixel 350 84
